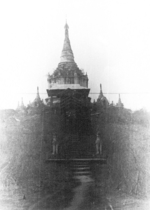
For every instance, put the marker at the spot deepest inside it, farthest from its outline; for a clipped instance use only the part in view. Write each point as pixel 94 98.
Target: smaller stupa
pixel 119 104
pixel 102 100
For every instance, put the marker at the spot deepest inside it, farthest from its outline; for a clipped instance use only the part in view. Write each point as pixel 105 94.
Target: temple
pixel 69 104
pixel 69 118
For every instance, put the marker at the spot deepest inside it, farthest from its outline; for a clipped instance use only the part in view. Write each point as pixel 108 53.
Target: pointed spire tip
pixel 67 54
pixel 66 26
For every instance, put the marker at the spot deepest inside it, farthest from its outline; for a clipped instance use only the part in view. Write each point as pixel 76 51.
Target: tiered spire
pixel 119 104
pixel 102 99
pixel 67 54
pixel 37 99
pixel 101 92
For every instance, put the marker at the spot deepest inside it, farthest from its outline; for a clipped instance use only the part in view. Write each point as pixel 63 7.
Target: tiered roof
pixel 67 69
pixel 67 74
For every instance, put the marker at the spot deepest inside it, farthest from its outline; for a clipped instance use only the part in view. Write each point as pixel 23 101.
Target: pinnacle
pixel 67 54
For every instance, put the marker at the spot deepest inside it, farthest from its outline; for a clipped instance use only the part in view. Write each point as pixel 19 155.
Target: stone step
pixel 81 168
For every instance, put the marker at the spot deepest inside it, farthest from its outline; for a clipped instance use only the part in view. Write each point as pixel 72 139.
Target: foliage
pixel 126 137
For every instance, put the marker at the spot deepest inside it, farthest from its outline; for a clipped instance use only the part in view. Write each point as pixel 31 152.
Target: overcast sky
pixel 110 40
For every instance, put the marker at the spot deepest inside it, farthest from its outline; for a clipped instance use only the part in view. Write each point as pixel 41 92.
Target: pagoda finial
pixel 66 26
pixel 101 92
pixel 38 95
pixel 66 18
pixel 119 101
pixel 67 54
pixel 66 31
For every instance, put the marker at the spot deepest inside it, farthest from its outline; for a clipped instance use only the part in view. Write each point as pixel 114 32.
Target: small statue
pixel 98 144
pixel 55 145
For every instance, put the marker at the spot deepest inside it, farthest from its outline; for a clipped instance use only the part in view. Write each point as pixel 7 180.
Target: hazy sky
pixel 110 40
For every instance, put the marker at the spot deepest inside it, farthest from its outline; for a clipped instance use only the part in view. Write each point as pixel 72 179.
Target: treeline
pixel 113 114
pixel 126 143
